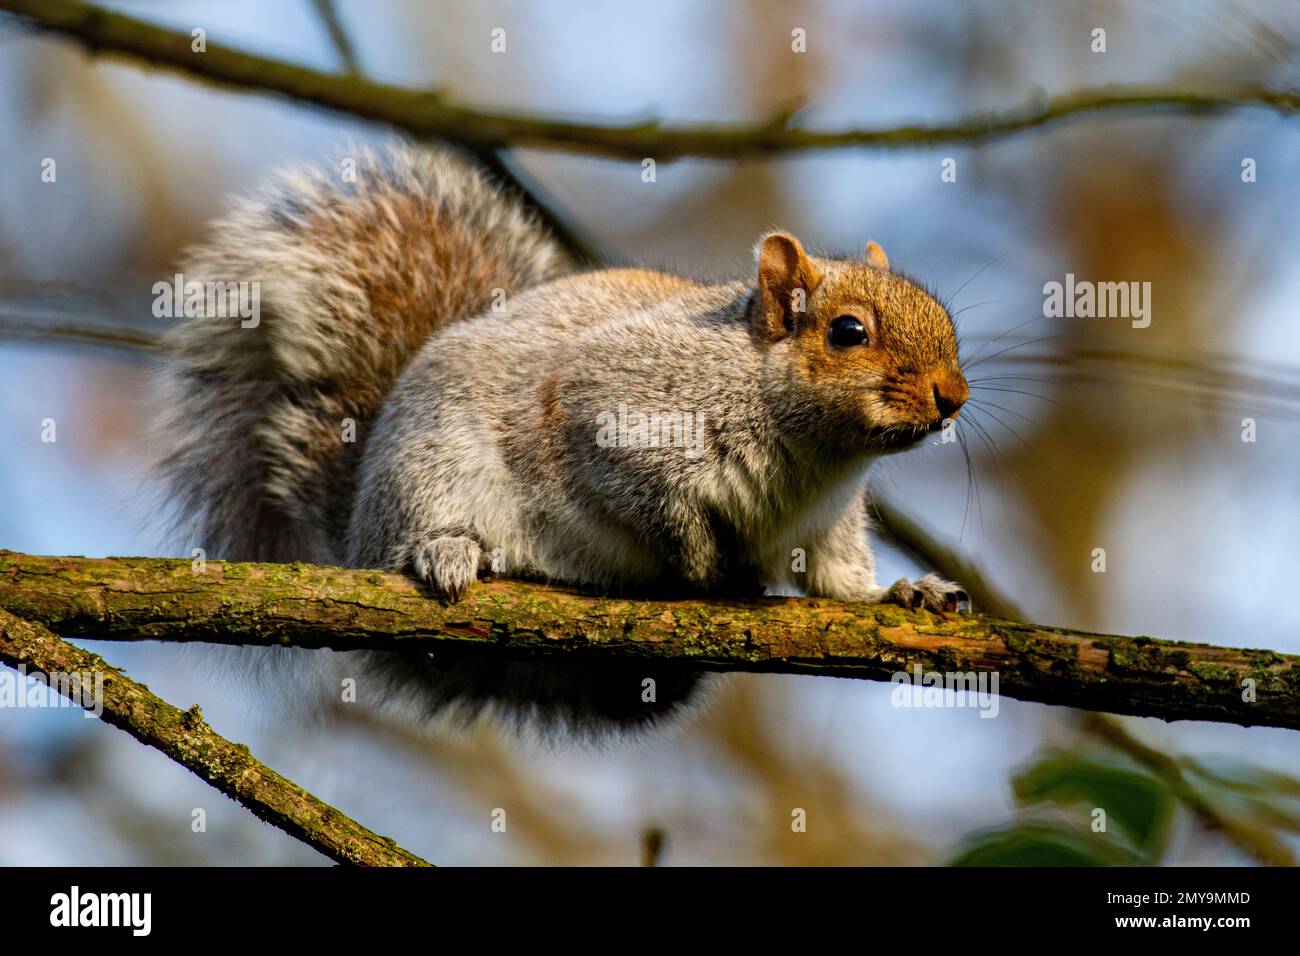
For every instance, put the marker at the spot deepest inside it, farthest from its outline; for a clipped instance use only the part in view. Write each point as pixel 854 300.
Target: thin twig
pixel 435 113
pixel 187 739
pixel 329 17
pixel 930 553
pixel 1254 841
pixel 73 334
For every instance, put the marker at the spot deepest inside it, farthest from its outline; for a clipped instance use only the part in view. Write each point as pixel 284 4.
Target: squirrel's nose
pixel 950 393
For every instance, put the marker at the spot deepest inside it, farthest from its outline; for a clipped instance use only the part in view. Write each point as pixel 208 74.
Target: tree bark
pixel 132 599
pixel 186 738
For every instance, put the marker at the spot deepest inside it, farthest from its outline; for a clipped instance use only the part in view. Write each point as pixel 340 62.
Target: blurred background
pixel 1088 433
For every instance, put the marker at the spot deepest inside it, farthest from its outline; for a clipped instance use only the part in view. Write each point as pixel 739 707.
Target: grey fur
pixel 486 447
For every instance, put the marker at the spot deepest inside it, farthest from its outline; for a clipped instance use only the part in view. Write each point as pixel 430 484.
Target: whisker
pixel 976 305
pixel 1030 448
pixel 1018 391
pixel 1002 335
pixel 1004 382
pixel 1014 375
pixel 971 484
pixel 950 299
pixel 1019 345
pixel 1010 411
pixel 982 434
pixel 1015 472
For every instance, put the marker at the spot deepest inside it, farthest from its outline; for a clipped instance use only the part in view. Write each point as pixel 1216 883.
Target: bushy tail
pixel 260 428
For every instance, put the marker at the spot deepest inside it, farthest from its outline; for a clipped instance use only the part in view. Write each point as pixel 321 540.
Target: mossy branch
pixel 435 113
pixel 186 738
pixel 131 599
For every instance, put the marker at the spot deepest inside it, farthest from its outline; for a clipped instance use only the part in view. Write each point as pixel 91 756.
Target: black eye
pixel 847 330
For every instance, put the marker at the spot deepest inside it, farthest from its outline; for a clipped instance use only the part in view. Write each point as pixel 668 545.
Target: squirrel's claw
pixel 449 565
pixel 930 592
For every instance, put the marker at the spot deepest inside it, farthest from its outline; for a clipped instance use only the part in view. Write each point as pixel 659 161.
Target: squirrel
pixel 623 430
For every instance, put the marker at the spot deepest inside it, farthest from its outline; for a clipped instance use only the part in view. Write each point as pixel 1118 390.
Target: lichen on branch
pixel 301 605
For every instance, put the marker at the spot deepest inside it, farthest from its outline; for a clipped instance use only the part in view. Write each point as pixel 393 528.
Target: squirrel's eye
pixel 847 330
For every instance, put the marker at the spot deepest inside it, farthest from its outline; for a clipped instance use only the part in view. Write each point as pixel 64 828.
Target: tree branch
pixel 928 552
pixel 1164 664
pixel 130 599
pixel 71 333
pixel 329 18
pixel 186 738
pixel 1256 841
pixel 434 113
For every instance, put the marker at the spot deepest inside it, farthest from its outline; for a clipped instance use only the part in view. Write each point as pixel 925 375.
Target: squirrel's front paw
pixel 449 565
pixel 930 592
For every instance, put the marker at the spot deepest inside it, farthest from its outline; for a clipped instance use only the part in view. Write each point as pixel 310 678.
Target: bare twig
pixel 186 738
pixel 435 113
pixel 329 17
pixel 60 311
pixel 929 552
pixel 652 846
pixel 128 340
pixel 1256 842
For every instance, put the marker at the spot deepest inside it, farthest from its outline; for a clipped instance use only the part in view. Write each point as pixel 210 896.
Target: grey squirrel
pixel 618 429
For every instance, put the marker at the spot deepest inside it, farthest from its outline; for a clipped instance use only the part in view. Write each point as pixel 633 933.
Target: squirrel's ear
pixel 786 279
pixel 876 257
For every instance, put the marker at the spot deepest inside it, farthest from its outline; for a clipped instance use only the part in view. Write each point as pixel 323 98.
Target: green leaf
pixel 1040 844
pixel 1137 803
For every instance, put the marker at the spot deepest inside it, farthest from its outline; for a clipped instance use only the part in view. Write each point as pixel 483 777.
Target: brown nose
pixel 950 393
